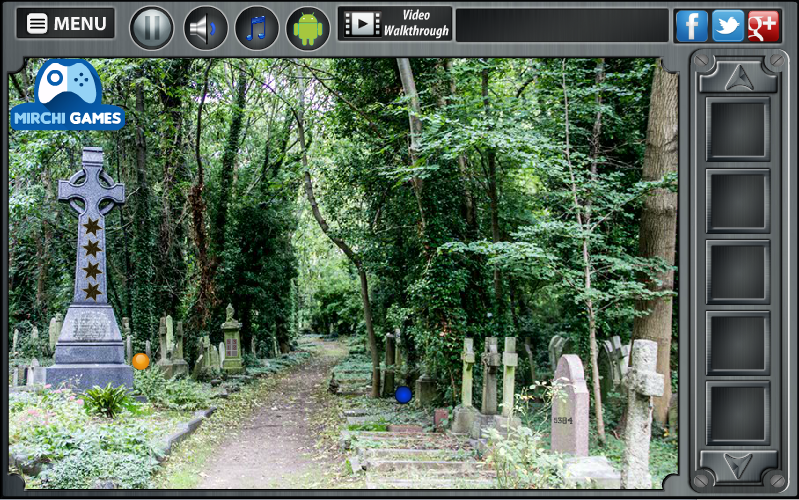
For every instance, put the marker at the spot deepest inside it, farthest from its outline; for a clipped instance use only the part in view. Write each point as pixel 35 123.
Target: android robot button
pixel 308 28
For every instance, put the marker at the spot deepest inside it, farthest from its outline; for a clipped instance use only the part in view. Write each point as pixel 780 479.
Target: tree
pixel 658 229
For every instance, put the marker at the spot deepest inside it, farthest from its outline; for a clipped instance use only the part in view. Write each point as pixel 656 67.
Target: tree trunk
pixel 493 198
pixel 415 124
pixel 341 244
pixel 587 275
pixel 197 202
pixel 658 230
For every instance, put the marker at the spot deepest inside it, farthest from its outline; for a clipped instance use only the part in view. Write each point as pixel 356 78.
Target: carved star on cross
pixel 92 292
pixel 92 248
pixel 92 270
pixel 92 226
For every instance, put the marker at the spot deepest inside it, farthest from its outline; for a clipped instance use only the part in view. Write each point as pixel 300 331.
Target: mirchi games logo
pixel 68 95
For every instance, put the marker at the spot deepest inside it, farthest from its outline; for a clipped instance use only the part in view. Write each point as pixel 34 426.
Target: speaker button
pixel 205 28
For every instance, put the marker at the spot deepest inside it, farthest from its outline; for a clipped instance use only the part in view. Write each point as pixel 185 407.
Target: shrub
pixel 522 462
pixel 184 394
pixel 248 360
pixel 108 401
pixel 82 470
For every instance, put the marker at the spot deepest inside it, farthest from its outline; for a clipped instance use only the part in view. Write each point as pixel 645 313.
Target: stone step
pixel 441 454
pixel 431 484
pixel 427 436
pixel 428 467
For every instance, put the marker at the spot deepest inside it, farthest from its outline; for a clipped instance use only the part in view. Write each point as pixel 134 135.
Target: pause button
pixel 151 28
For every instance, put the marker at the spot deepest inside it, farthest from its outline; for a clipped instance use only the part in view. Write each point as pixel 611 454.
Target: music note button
pixel 257 27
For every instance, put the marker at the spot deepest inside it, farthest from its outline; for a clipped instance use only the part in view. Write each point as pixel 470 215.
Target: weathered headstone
pixel 56 323
pixel 425 389
pixel 528 348
pixel 613 360
pixel 170 337
pixel 231 329
pixel 465 413
pixel 570 408
pixel 34 333
pixel 129 350
pixel 162 345
pixel 642 382
pixel 221 355
pixel 179 336
pixel 206 351
pixel 31 376
pixel 510 360
pixel 90 350
pixel 170 366
pixel 214 358
pixel 148 350
pixel 491 361
pixel 15 341
pixel 558 346
pixel 388 379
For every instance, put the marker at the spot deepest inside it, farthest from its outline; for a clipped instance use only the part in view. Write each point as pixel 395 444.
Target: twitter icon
pixel 728 25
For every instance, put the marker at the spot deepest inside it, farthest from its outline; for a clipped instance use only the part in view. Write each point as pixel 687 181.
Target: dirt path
pixel 274 447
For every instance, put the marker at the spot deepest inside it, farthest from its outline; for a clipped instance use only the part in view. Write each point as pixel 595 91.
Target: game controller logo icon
pixel 68 95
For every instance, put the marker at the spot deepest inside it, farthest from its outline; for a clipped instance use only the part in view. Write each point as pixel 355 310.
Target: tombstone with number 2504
pixel 90 350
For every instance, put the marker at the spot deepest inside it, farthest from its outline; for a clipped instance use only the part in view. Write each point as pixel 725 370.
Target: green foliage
pixel 108 401
pixel 249 360
pixel 521 462
pixel 174 394
pixel 83 471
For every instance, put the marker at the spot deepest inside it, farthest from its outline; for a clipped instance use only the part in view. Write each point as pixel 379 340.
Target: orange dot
pixel 140 361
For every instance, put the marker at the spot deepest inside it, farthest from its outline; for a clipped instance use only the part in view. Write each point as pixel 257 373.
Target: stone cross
pixel 55 329
pixel 570 408
pixel 510 360
pixel 162 345
pixel 179 340
pixel 170 337
pixel 467 386
pixel 642 383
pixel 31 376
pixel 97 187
pixel 491 360
pixel 15 341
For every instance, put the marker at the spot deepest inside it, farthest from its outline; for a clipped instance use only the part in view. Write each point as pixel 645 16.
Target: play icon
pixel 362 23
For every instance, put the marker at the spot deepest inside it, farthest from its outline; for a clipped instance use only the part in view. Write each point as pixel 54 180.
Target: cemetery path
pixel 275 446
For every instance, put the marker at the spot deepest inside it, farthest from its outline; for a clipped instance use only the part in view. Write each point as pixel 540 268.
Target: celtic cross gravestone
pixel 90 350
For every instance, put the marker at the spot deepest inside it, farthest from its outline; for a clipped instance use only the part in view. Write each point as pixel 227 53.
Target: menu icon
pixel 37 23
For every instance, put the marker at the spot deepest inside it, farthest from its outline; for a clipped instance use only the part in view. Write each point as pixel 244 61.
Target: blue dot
pixel 81 85
pixel 403 394
pixel 81 74
pixel 76 79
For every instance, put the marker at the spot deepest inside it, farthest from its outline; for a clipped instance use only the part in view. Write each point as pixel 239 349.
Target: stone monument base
pixel 173 368
pixel 590 472
pixel 503 425
pixel 425 390
pixel 86 376
pixel 232 366
pixel 463 419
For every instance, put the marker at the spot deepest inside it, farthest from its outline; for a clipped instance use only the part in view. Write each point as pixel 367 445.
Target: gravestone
pixel 613 361
pixel 252 347
pixel 528 348
pixel 148 349
pixel 89 350
pixel 179 336
pixel 206 351
pixel 558 346
pixel 642 382
pixel 232 351
pixel 465 413
pixel 674 415
pixel 214 358
pixel 425 389
pixel 32 376
pixel 570 408
pixel 221 354
pixel 35 333
pixel 168 364
pixel 510 360
pixel 15 342
pixel 491 360
pixel 56 323
pixel 388 379
pixel 129 346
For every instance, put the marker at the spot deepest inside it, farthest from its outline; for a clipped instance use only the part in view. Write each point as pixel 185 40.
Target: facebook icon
pixel 692 26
